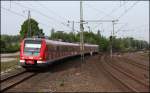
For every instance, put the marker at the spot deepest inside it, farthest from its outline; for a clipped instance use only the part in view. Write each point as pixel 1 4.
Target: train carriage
pixel 41 52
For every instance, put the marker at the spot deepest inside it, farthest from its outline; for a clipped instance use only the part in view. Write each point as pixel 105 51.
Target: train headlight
pixel 40 58
pixel 22 61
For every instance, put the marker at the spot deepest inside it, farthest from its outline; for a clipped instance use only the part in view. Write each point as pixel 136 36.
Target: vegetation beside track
pixel 9 43
pixel 9 65
pixel 127 44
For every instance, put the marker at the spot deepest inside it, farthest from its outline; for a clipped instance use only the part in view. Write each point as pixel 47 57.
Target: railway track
pixel 128 73
pixel 110 74
pixel 16 79
pixel 142 66
pixel 133 69
pixel 11 76
pixel 124 77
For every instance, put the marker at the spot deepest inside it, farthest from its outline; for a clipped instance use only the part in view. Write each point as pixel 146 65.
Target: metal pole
pixel 89 29
pixel 30 23
pixel 113 27
pixel 111 51
pixel 81 32
pixel 111 45
pixel 73 29
pixel 73 26
pixel 29 27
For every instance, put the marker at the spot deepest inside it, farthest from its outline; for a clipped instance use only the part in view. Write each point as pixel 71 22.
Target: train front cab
pixel 33 53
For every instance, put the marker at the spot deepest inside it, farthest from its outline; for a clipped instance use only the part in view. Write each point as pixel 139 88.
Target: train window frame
pixel 26 52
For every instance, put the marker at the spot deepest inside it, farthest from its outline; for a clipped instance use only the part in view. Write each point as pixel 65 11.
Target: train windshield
pixel 32 47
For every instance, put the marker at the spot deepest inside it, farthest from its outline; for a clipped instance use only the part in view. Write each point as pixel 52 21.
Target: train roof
pixel 70 44
pixel 61 43
pixel 32 38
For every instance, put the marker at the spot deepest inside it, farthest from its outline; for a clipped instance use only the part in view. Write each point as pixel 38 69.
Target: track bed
pixel 91 75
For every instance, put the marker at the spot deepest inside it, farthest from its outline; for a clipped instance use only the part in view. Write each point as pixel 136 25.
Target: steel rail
pixel 9 86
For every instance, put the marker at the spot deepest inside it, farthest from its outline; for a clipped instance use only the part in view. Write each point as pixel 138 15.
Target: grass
pixel 9 65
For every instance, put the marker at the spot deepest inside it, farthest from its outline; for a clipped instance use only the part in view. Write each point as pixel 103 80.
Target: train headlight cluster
pixel 40 58
pixel 22 61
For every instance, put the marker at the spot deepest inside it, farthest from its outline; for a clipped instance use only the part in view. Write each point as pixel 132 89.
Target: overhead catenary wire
pixel 91 26
pixel 36 11
pixel 98 10
pixel 18 14
pixel 48 17
pixel 112 11
pixel 51 11
pixel 12 12
pixel 41 5
pixel 127 10
pixel 128 30
pixel 120 28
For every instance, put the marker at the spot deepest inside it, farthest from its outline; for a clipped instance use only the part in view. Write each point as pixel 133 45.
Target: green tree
pixel 118 44
pixel 33 25
pixel 9 43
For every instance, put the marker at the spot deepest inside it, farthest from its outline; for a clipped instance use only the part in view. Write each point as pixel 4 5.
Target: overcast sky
pixel 133 16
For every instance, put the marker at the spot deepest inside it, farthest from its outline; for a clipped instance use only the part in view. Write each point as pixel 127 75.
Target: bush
pixel 9 44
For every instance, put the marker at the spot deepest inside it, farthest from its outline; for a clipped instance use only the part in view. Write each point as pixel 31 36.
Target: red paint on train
pixel 40 52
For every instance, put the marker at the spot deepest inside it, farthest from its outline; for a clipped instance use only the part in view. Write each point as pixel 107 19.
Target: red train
pixel 40 51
